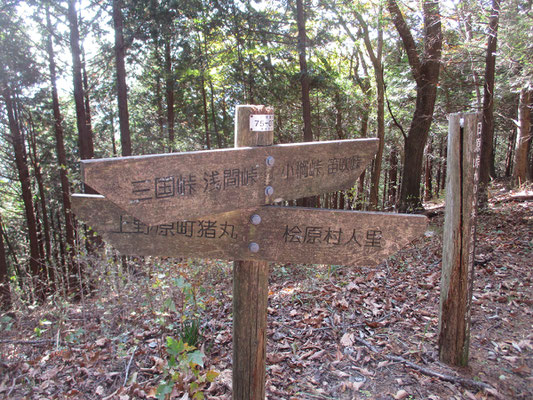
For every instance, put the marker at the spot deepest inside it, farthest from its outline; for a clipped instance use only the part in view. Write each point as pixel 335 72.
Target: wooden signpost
pixel 464 145
pixel 159 188
pixel 267 233
pixel 215 204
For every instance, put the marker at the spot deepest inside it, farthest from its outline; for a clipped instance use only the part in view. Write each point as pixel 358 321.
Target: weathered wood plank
pixel 458 244
pixel 285 234
pixel 157 188
pixel 250 281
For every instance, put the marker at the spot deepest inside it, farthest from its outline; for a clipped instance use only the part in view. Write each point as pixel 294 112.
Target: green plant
pixel 190 332
pixel 40 329
pixel 184 371
pixel 6 323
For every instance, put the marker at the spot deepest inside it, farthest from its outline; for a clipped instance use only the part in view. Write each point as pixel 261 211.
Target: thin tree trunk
pixel 213 114
pixel 17 140
pixel 122 98
pixel 5 290
pixel 304 75
pixel 60 151
pixel 40 239
pixel 169 82
pixel 520 173
pixel 62 251
pixel 204 105
pixel 393 175
pixel 509 156
pixel 376 58
pixel 34 157
pixel 84 133
pixel 159 96
pixel 429 172
pixel 305 85
pixel 86 99
pixel 486 168
pixel 338 116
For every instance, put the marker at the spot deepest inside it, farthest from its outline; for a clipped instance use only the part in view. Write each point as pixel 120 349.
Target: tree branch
pixel 407 39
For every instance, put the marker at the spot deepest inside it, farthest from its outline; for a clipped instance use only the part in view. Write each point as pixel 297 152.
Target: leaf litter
pixel 333 332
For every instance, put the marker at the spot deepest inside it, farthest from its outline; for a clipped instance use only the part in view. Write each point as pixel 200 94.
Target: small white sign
pixel 262 122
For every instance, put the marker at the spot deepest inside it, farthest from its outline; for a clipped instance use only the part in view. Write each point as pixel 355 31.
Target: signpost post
pixel 250 277
pixel 216 204
pixel 458 238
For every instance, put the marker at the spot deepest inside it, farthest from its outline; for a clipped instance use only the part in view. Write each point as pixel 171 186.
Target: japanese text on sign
pixel 207 229
pixel 372 238
pixel 188 185
pixel 310 168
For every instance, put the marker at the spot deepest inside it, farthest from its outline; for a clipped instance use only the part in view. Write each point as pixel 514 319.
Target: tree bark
pixel 60 149
pixel 204 108
pixel 305 86
pixel 122 98
pixel 393 176
pixel 85 140
pixel 169 82
pixel 17 139
pixel 376 59
pixel 425 71
pixel 520 173
pixel 487 157
pixel 428 193
pixel 34 157
pixel 304 75
pixel 5 291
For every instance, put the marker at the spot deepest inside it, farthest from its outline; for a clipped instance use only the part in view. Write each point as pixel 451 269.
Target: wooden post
pixel 458 244
pixel 250 289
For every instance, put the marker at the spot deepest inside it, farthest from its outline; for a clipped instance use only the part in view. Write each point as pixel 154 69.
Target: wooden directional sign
pixel 157 189
pixel 279 234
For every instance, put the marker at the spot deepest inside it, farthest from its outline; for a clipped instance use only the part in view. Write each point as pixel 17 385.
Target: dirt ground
pixel 333 332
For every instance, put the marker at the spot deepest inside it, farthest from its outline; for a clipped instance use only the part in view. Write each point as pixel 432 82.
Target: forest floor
pixel 333 332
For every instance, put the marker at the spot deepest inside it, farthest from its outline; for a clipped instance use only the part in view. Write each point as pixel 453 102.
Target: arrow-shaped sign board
pixel 278 234
pixel 160 188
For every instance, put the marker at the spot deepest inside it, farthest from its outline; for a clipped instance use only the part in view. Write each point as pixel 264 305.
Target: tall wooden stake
pixel 458 244
pixel 250 289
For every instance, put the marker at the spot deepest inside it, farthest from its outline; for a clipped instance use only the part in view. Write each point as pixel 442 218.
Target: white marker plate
pixel 262 122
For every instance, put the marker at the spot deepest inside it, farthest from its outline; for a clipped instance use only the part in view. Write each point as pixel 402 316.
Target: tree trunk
pixel 486 166
pixel 84 134
pixel 376 58
pixel 213 114
pixel 159 98
pixel 86 99
pixel 123 115
pixel 5 291
pixel 520 173
pixel 304 75
pixel 393 176
pixel 305 86
pixel 425 71
pixel 60 150
pixel 428 194
pixel 338 116
pixel 204 108
pixel 17 140
pixel 439 168
pixel 34 157
pixel 169 82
